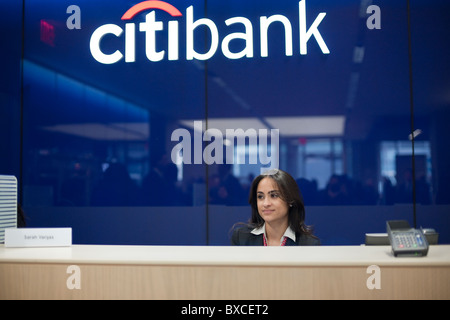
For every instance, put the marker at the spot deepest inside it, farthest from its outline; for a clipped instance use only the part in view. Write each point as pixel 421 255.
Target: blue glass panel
pixel 97 134
pixel 430 66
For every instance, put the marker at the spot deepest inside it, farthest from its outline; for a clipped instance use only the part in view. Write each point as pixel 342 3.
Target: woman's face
pixel 271 207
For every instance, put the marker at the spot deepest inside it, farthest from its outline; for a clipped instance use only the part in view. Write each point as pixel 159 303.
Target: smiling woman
pixel 278 213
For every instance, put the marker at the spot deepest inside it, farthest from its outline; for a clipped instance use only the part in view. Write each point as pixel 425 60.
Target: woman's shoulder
pixel 307 240
pixel 242 235
pixel 243 228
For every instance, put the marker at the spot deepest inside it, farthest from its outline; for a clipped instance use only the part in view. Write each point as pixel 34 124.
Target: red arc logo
pixel 151 4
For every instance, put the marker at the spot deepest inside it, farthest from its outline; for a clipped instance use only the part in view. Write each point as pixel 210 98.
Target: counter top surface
pixel 224 255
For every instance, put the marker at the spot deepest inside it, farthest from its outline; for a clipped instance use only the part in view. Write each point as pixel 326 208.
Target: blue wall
pixel 10 87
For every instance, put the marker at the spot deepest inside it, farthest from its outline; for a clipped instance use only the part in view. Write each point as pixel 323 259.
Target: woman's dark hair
pixel 289 192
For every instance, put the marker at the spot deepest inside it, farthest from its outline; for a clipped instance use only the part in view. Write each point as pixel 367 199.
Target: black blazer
pixel 243 237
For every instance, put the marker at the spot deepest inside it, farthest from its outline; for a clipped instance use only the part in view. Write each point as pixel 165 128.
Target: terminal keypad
pixel 408 240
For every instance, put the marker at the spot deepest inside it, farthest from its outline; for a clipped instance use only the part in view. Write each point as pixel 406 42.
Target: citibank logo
pixel 150 27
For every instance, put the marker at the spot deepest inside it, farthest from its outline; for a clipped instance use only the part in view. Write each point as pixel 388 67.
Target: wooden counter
pixel 199 272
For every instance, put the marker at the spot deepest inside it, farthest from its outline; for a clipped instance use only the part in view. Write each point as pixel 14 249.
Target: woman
pixel 278 214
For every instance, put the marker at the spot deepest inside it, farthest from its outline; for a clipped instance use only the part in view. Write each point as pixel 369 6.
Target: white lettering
pixel 198 142
pixel 374 21
pixel 274 157
pixel 265 23
pixel 214 151
pixel 184 147
pixel 312 31
pixel 130 48
pixel 241 136
pixel 247 37
pixel 151 26
pixel 190 27
pixel 246 309
pixel 374 281
pixel 74 280
pixel 198 310
pixel 74 21
pixel 94 44
pixel 173 40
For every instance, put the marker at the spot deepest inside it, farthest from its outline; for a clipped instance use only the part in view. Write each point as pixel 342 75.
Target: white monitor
pixel 8 204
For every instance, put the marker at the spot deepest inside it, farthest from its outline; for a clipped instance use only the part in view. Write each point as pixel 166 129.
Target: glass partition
pixel 431 88
pixel 146 122
pixel 105 93
pixel 326 76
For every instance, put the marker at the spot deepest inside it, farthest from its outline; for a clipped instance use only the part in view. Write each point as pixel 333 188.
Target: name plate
pixel 38 237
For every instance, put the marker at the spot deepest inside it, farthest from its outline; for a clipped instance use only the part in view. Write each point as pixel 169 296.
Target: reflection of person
pixel 278 214
pixel 226 188
pixel 116 188
pixel 337 191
